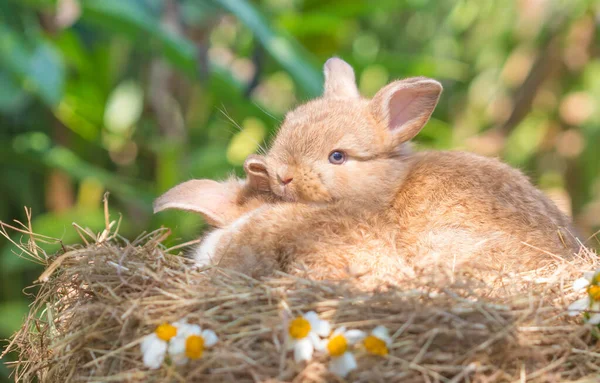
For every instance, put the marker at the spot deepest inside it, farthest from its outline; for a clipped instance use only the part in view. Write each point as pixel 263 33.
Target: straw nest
pixel 98 300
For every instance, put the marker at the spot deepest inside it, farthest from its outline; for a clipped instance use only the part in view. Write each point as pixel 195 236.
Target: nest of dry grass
pixel 97 301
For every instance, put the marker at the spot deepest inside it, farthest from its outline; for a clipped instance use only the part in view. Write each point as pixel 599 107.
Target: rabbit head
pixel 341 145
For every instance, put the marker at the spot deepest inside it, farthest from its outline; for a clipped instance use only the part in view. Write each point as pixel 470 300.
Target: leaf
pixel 46 74
pixel 287 52
pixel 35 63
pixel 134 20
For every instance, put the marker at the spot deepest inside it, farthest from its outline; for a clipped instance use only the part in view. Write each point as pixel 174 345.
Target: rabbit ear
pixel 257 173
pixel 216 201
pixel 339 79
pixel 405 106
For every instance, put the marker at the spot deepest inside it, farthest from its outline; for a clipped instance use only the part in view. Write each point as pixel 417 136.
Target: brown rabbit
pixel 257 234
pixel 380 207
pixel 344 147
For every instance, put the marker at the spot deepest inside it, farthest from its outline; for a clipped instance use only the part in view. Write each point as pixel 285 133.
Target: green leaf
pixel 286 51
pixel 134 20
pixel 35 64
pixel 46 73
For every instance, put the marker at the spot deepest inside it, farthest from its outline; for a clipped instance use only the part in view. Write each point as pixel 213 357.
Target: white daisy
pixel 378 342
pixel 154 346
pixel 190 342
pixel 303 335
pixel 342 360
pixel 590 283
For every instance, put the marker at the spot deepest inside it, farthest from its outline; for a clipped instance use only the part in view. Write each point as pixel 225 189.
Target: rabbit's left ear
pixel 339 79
pixel 257 174
pixel 403 107
pixel 216 201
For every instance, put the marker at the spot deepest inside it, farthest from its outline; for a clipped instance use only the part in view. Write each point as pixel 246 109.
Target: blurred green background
pixel 134 96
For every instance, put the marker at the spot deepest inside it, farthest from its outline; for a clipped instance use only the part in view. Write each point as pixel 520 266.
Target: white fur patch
pixel 207 250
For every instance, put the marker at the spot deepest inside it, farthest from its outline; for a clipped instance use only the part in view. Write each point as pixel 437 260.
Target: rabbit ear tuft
pixel 216 201
pixel 339 79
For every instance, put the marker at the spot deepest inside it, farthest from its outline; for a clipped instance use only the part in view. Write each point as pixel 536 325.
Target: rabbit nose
pixel 284 180
pixel 284 177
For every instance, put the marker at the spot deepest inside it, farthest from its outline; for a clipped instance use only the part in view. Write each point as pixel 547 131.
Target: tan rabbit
pixel 344 147
pixel 359 199
pixel 257 235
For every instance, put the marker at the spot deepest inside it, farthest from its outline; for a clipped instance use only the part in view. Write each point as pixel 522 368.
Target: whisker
pixel 267 113
pixel 261 150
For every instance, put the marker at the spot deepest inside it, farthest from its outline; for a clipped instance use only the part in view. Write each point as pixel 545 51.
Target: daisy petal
pixel 193 329
pixel 318 343
pixel 210 338
pixel 382 333
pixel 177 346
pixel 148 342
pixel 581 284
pixel 342 365
pixel 355 336
pixel 322 328
pixel 594 319
pixel 578 306
pixel 155 355
pixel 312 317
pixel 303 350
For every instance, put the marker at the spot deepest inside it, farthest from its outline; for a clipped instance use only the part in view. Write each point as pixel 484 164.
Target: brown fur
pixel 386 213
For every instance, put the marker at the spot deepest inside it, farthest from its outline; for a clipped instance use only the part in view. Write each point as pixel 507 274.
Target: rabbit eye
pixel 337 157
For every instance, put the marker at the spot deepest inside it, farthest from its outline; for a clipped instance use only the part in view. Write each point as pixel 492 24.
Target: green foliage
pixel 134 96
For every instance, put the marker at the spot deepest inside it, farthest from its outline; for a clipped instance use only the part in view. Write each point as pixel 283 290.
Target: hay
pixel 96 302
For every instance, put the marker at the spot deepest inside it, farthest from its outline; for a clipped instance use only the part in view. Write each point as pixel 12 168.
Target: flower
pixel 303 335
pixel 342 360
pixel 590 283
pixel 154 346
pixel 378 341
pixel 190 342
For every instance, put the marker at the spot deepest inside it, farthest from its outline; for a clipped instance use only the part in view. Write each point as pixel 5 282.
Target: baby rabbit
pixel 340 192
pixel 344 147
pixel 257 235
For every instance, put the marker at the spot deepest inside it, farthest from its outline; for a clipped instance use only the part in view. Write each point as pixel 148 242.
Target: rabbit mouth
pixel 287 196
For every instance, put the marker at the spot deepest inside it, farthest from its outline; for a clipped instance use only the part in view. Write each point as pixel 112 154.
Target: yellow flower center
pixel 337 345
pixel 299 328
pixel 375 346
pixel 594 292
pixel 194 346
pixel 165 331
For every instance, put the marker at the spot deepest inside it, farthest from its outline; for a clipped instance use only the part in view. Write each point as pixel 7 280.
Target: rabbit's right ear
pixel 340 81
pixel 216 201
pixel 257 174
pixel 405 106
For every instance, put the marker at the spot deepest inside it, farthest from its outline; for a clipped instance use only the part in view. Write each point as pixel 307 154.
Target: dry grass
pixel 97 301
